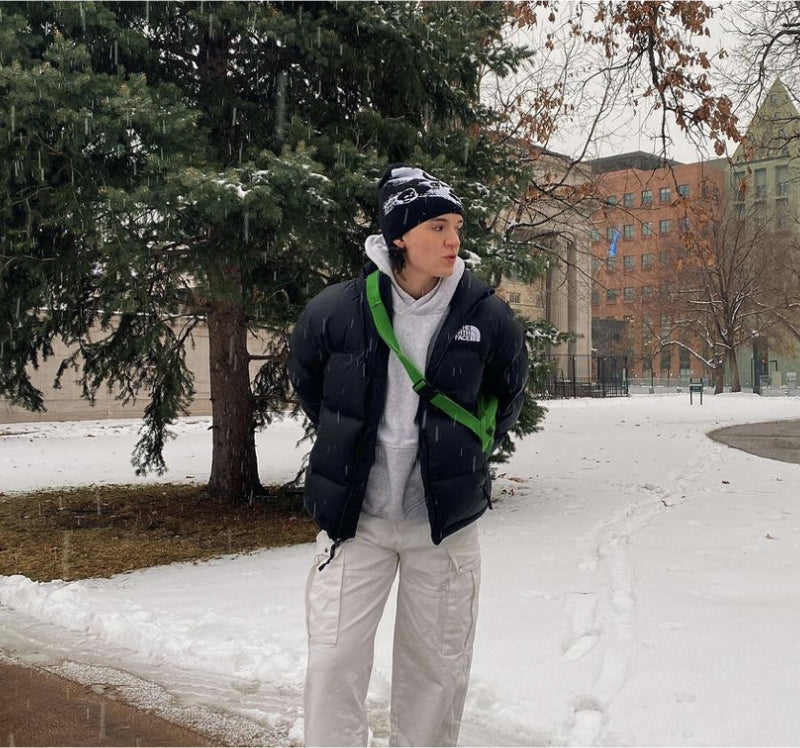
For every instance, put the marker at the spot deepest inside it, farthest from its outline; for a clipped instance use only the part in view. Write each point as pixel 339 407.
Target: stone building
pixel 67 403
pixel 764 183
pixel 559 229
pixel 765 173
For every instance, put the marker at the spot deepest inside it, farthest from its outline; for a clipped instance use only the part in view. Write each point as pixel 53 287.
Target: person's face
pixel 432 246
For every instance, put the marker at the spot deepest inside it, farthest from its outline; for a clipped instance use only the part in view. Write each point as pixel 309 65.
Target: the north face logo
pixel 469 334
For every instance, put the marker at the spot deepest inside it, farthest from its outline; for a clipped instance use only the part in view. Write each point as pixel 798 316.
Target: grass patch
pixel 98 531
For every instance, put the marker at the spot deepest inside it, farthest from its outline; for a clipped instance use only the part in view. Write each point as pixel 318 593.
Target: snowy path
pixel 640 587
pixel 630 509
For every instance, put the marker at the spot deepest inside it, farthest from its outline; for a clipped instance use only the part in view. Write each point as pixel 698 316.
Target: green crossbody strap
pixel 482 425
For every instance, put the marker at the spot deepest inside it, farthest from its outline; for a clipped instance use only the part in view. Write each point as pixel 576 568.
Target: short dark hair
pixel 397 256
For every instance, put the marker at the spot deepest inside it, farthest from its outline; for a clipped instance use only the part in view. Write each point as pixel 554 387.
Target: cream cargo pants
pixel 437 607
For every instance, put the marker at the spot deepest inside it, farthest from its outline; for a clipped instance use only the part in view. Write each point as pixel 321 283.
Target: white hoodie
pixel 394 488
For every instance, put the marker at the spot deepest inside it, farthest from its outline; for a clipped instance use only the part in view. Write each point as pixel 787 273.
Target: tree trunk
pixel 719 377
pixel 733 368
pixel 234 464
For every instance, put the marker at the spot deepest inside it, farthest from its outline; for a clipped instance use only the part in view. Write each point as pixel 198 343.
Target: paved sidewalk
pixel 39 708
pixel 775 440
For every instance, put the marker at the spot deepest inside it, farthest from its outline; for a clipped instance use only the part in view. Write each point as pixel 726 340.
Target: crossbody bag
pixel 482 425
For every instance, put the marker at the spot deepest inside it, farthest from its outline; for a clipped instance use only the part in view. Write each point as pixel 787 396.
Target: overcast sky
pixel 623 129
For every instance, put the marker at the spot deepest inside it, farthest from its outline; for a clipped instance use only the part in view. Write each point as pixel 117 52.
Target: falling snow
pixel 640 586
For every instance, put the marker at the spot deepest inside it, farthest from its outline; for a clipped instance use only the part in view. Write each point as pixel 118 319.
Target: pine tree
pixel 166 164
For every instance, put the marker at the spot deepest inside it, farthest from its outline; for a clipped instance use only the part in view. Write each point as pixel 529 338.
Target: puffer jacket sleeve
pixel 308 355
pixel 506 372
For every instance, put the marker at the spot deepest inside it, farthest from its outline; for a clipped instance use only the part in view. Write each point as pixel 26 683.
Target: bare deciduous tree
pixel 768 47
pixel 595 67
pixel 726 286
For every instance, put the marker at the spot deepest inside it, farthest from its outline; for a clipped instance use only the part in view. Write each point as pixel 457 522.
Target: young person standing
pixel 395 482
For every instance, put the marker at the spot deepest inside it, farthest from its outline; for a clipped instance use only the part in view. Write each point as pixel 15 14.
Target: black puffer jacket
pixel 338 367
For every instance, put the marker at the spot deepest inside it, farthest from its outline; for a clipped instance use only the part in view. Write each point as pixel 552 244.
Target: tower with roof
pixel 765 184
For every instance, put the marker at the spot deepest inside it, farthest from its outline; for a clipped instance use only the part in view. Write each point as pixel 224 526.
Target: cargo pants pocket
pixel 459 601
pixel 324 593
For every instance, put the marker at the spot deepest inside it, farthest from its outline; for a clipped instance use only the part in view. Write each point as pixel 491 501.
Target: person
pixel 393 481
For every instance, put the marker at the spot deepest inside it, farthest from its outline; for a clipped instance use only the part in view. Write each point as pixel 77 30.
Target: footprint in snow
pixel 580 647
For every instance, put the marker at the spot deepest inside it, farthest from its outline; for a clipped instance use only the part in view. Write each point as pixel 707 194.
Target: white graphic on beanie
pixel 425 186
pixel 469 334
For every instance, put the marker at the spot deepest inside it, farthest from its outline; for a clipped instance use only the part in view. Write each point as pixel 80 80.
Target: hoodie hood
pixel 377 251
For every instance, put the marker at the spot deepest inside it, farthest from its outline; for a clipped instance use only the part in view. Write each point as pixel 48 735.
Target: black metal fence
pixel 584 376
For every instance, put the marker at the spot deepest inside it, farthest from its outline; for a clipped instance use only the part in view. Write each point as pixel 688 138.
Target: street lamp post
pixel 754 364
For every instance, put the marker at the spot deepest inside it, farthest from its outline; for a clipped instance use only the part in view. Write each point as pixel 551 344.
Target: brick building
pixel 647 204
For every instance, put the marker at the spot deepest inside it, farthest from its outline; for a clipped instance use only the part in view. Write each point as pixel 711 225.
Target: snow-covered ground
pixel 641 586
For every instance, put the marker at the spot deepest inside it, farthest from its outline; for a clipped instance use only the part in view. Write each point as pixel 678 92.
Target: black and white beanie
pixel 408 196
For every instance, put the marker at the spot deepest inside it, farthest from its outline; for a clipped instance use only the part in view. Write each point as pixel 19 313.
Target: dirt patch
pixel 103 530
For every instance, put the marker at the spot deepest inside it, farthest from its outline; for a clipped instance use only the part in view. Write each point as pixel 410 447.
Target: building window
pixel 595 265
pixel 611 296
pixel 611 264
pixel 782 213
pixel 683 190
pixel 663 226
pixel 782 180
pixel 514 297
pixel 595 235
pixel 666 359
pixel 684 361
pixel 628 293
pixel 628 231
pixel 761 183
pixel 647 197
pixel 629 263
pixel 611 200
pixel 647 228
pixel 683 225
pixel 647 261
pixel 610 230
pixel 595 296
pixel 627 199
pixel 647 293
pixel 664 195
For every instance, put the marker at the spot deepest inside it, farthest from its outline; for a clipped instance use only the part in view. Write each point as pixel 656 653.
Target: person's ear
pixel 399 243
